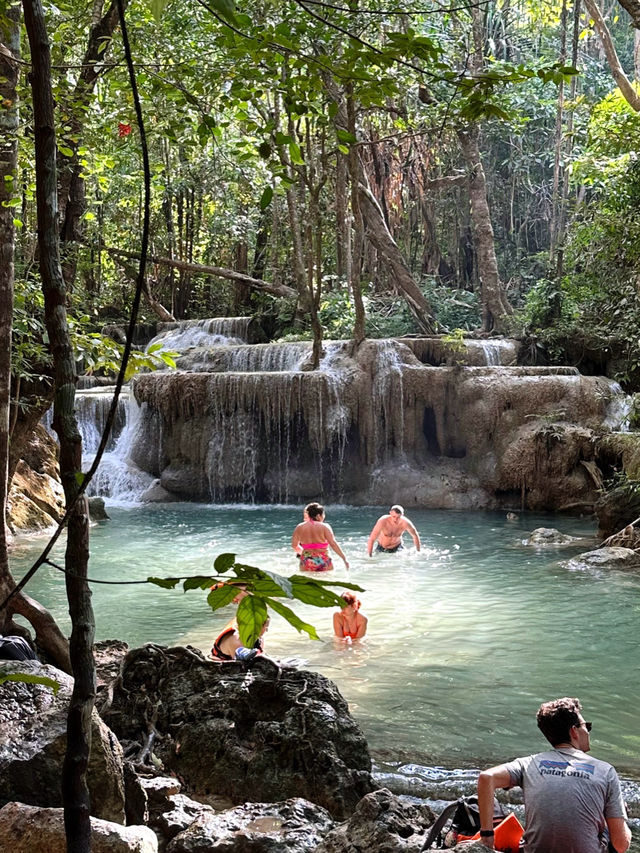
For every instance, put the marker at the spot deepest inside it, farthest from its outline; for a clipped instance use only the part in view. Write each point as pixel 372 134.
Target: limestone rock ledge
pixel 26 829
pixel 33 739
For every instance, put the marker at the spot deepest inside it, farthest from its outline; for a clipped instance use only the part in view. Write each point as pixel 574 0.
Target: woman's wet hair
pixel 557 717
pixel 351 600
pixel 314 511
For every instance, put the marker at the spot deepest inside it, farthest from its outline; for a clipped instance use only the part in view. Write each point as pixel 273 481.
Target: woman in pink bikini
pixel 349 624
pixel 312 539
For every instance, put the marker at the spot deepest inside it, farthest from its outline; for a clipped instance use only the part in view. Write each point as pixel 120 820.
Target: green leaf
pixel 345 136
pixel 272 580
pixel 165 583
pixel 63 149
pixel 312 593
pixel 264 150
pixel 251 616
pixel 265 198
pixel 80 475
pixel 197 582
pixel 27 678
pixel 224 562
pixel 226 9
pixel 295 154
pixel 157 8
pixel 222 595
pixel 291 618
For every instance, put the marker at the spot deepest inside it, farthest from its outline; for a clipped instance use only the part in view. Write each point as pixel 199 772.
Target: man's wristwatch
pixel 486 833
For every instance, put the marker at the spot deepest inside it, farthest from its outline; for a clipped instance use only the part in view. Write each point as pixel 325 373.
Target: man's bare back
pixel 388 531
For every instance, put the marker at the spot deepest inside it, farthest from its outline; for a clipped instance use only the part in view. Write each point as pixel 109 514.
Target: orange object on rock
pixel 507 835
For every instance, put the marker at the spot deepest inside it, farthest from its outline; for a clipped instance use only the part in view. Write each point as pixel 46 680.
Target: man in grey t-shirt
pixel 573 803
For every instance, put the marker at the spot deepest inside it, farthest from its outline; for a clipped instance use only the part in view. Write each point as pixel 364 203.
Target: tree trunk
pixel 554 235
pixel 9 72
pixel 495 304
pixel 75 791
pixel 375 225
pixel 617 71
pixel 71 193
pixel 356 259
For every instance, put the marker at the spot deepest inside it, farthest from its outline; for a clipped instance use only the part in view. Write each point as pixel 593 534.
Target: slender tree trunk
pixel 355 279
pixel 554 234
pixel 343 224
pixel 75 791
pixel 9 72
pixel 495 304
pixel 564 193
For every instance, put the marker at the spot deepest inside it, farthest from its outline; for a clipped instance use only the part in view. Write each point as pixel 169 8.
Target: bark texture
pixel 74 777
pixel 9 70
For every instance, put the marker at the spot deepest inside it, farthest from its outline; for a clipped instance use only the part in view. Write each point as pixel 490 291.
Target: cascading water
pixel 202 333
pixel 252 423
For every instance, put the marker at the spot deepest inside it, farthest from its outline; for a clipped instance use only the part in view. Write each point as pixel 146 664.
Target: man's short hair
pixel 555 718
pixel 397 508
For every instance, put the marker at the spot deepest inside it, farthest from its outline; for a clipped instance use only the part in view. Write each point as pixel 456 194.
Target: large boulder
pixel 295 826
pixel 33 738
pixel 263 734
pixel 543 536
pixel 606 558
pixel 382 822
pixel 30 829
pixel 36 499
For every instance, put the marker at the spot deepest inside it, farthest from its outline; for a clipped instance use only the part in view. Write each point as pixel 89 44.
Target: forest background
pixel 336 170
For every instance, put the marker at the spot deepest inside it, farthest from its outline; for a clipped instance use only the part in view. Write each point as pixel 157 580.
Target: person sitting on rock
pixel 228 645
pixel 349 624
pixel 15 648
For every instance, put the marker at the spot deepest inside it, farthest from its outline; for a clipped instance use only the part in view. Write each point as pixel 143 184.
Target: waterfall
pixel 202 333
pixel 246 358
pixel 117 476
pixel 618 409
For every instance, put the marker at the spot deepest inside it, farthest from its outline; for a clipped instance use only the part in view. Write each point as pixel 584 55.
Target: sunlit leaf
pixel 251 616
pixel 27 678
pixel 291 618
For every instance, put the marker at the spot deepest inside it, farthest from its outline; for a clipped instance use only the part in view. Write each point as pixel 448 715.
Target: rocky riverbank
pixel 189 755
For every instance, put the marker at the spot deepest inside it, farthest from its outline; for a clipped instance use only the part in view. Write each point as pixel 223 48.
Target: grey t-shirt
pixel 567 797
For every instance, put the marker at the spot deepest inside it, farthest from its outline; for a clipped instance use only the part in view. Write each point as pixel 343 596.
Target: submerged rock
pixel 27 829
pixel 294 826
pixel 549 536
pixel 382 822
pixel 33 737
pixel 97 509
pixel 606 558
pixel 262 734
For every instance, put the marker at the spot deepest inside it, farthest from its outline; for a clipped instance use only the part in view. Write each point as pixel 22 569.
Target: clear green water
pixel 465 639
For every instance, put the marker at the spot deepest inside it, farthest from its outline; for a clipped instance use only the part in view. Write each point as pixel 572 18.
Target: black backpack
pixel 459 818
pixel 16 648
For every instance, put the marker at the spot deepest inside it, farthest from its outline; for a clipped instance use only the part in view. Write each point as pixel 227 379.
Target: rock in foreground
pixel 294 826
pixel 33 737
pixel 27 829
pixel 262 734
pixel 381 823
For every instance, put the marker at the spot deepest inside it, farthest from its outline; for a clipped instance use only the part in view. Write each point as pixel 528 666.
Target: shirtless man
pixel 388 532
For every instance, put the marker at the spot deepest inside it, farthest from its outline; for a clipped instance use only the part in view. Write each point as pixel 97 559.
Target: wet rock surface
pixel 549 536
pixel 606 558
pixel 33 725
pixel 262 733
pixel 294 826
pixel 382 822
